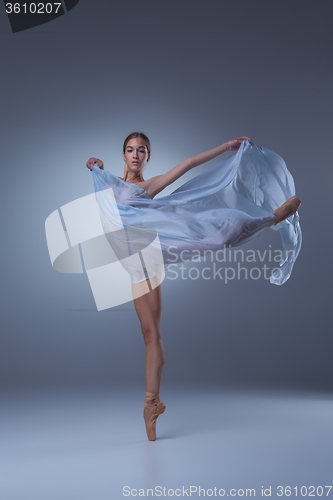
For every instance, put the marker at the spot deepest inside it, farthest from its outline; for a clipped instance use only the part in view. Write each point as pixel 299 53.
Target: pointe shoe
pixel 287 209
pixel 156 408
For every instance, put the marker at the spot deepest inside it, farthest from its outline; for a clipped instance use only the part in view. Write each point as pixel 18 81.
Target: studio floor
pixel 92 445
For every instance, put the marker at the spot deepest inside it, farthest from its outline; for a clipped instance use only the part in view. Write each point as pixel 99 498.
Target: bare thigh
pixel 148 308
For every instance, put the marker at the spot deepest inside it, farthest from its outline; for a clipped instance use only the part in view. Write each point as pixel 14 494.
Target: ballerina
pixel 136 154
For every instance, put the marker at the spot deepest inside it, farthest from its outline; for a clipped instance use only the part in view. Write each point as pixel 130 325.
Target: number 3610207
pixel 32 8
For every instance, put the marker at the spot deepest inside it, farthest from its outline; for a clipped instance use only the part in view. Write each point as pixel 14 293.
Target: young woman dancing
pixel 136 154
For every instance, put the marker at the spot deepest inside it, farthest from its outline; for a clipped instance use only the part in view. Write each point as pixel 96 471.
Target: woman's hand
pixel 234 145
pixel 91 161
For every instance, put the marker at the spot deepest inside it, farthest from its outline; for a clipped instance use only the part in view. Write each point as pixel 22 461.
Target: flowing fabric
pixel 229 204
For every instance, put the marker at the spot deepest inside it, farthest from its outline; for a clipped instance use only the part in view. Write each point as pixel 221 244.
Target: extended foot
pixel 152 409
pixel 287 209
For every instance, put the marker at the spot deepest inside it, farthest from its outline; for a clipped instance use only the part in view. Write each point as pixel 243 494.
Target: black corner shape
pixel 70 4
pixel 26 14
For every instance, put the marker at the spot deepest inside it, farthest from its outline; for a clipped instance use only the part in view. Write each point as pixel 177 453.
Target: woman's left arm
pixel 158 183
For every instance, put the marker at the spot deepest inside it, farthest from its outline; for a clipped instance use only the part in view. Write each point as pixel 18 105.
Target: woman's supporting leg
pixel 148 308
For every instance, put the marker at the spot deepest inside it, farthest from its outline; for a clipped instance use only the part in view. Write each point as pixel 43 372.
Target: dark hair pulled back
pixel 134 135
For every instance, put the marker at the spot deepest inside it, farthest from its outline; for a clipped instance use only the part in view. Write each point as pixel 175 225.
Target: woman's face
pixel 136 154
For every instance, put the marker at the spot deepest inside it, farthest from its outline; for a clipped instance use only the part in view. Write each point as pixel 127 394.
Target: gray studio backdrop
pixel 191 75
